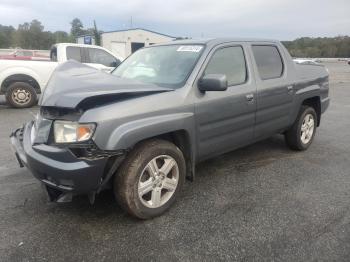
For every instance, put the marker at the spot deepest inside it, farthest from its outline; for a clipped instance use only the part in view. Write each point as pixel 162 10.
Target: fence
pixel 9 51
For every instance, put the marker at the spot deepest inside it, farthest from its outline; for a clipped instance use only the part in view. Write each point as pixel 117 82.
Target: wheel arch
pixel 176 127
pixel 19 78
pixel 182 140
pixel 315 103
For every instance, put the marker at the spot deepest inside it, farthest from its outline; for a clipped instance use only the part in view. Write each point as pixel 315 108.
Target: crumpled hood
pixel 73 83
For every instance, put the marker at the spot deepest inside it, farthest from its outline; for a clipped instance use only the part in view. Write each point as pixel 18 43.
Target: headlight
pixel 70 132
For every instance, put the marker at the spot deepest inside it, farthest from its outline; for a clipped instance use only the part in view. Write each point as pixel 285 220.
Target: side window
pixel 73 52
pixel 229 61
pixel 268 61
pixel 98 56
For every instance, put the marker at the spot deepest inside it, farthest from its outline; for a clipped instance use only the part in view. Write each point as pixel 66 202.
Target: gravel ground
pixel 260 203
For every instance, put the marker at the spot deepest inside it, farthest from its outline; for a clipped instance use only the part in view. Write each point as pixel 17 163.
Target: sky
pixel 277 19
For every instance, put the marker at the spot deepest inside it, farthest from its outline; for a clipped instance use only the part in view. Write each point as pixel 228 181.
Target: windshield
pixel 167 66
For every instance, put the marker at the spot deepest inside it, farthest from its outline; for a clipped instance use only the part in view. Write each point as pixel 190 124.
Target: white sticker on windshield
pixel 189 48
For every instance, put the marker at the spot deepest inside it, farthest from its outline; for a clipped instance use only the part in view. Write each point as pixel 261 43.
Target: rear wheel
pixel 21 95
pixel 150 178
pixel 301 134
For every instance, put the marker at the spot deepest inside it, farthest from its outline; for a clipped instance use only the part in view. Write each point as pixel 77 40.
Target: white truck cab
pixel 22 80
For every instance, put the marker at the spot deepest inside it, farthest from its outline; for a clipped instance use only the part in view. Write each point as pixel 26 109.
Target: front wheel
pixel 301 134
pixel 21 95
pixel 150 178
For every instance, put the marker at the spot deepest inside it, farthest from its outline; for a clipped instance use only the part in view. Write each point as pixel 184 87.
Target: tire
pixel 21 95
pixel 134 176
pixel 300 136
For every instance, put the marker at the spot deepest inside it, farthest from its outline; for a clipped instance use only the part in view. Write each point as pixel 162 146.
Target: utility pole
pixel 130 22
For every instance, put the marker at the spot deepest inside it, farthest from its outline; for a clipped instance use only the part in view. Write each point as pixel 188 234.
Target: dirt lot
pixel 260 203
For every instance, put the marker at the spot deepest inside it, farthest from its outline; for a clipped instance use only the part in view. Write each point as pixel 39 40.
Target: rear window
pixel 268 61
pixel 73 53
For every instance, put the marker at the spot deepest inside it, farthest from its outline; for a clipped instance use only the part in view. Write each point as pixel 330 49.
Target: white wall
pixel 121 41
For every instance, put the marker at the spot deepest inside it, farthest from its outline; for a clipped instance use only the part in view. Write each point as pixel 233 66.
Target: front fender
pixel 127 135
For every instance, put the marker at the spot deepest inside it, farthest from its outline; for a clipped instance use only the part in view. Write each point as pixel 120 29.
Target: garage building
pixel 124 42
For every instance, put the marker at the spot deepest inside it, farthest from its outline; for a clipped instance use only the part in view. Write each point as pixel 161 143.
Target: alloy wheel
pixel 307 128
pixel 158 181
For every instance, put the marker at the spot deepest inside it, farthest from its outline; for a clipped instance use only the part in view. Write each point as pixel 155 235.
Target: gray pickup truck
pixel 142 128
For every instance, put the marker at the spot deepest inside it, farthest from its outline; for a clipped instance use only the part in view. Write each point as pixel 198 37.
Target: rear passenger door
pixel 225 119
pixel 274 90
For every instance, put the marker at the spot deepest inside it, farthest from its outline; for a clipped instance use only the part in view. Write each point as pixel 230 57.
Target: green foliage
pixel 319 47
pixel 96 34
pixel 62 37
pixel 32 35
pixel 6 36
pixel 77 28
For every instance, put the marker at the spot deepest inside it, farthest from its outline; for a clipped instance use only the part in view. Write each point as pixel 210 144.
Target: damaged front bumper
pixel 62 173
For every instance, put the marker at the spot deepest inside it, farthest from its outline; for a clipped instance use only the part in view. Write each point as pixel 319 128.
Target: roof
pixel 132 29
pixel 78 45
pixel 223 40
pixel 216 41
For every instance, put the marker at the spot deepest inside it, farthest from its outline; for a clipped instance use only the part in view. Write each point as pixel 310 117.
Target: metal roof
pixel 125 30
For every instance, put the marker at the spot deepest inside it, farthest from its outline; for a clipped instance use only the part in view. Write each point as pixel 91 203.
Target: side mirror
pixel 213 82
pixel 115 64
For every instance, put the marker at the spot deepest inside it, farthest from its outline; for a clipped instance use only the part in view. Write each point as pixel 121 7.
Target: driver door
pixel 225 119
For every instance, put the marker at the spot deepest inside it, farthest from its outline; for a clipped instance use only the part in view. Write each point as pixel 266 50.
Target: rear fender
pixel 304 91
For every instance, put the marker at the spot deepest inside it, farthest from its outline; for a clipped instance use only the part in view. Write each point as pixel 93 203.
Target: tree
pixel 97 35
pixel 62 37
pixel 319 47
pixel 77 28
pixel 37 39
pixel 21 36
pixel 32 35
pixel 6 36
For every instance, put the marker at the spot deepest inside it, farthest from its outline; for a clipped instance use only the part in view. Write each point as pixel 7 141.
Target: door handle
pixel 290 89
pixel 249 97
